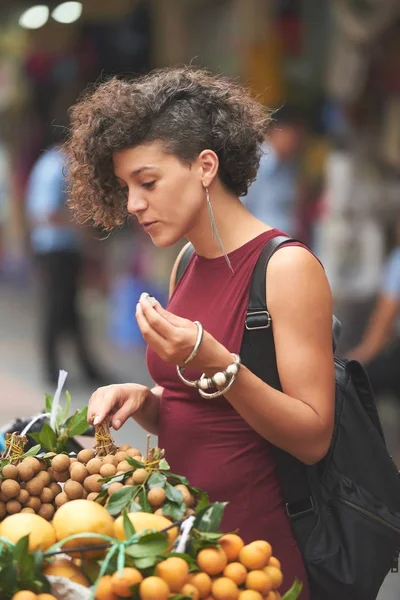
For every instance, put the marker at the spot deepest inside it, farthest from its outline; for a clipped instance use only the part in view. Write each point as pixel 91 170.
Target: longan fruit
pixel 187 496
pixel 45 477
pixel 46 511
pixel 35 486
pixel 61 476
pixel 43 463
pixel 108 470
pixel 25 472
pixel 55 488
pixel 156 496
pixel 120 456
pixel 47 495
pixel 124 448
pixel 34 463
pixel 92 483
pixel 10 472
pixel 60 462
pixel 139 476
pixel 10 489
pixel 114 487
pixel 133 452
pixel 3 510
pixel 73 489
pixel 85 455
pixel 73 459
pixel 110 460
pixel 124 466
pixel 23 496
pixel 26 509
pixel 92 496
pixel 78 472
pixel 13 507
pixel 61 499
pixel 33 502
pixel 94 466
pixel 129 481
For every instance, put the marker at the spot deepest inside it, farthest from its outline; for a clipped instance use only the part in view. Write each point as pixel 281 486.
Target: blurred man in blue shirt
pixel 273 196
pixel 57 244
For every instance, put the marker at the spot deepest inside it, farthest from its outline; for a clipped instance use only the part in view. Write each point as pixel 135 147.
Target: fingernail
pixel 96 420
pixel 152 300
pixel 117 424
pixel 144 296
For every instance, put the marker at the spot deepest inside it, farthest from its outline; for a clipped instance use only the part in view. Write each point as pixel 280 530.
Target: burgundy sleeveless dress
pixel 207 440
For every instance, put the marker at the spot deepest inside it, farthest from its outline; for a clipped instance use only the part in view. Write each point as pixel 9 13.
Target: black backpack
pixel 344 510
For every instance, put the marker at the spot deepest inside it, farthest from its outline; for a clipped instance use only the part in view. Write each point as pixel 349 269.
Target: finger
pixel 95 402
pixel 105 404
pixel 161 319
pixel 122 415
pixel 149 332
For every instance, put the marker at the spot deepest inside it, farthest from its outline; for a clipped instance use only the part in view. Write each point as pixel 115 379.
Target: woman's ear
pixel 209 164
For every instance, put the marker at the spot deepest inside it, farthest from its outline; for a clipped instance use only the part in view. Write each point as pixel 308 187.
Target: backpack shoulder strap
pixel 183 263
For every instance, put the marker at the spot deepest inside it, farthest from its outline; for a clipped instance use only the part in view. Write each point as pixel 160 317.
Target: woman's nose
pixel 136 202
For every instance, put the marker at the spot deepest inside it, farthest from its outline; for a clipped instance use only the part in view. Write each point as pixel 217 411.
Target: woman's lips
pixel 148 226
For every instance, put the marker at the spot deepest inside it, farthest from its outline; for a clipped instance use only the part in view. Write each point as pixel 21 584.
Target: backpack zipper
pixel 369 514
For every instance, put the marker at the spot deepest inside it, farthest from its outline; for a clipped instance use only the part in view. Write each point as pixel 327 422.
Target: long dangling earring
pixel 215 231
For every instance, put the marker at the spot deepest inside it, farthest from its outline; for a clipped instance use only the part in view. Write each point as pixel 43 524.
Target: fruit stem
pixel 104 442
pixel 15 444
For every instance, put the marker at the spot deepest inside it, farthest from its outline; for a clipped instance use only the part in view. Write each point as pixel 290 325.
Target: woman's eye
pixel 148 185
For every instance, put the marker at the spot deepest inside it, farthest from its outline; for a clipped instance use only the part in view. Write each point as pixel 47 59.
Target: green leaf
pixel 48 402
pixel 173 494
pixel 32 451
pixel 294 591
pixel 174 510
pixel 178 478
pixel 120 499
pixel 203 500
pixel 135 507
pixel 134 463
pixel 129 529
pixel 209 519
pixel 163 465
pixel 77 424
pixel 144 503
pixel 146 562
pixel 150 544
pixel 21 549
pixel 47 437
pixel 156 480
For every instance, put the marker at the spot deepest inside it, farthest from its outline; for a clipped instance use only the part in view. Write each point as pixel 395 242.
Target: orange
pixel 236 571
pixel 224 588
pixel 46 597
pixel 212 560
pixel 190 590
pixel 264 546
pixel 104 589
pixel 174 571
pixel 250 595
pixel 41 532
pixel 231 544
pixel 24 595
pixel 273 596
pixel 274 562
pixel 202 582
pixel 253 557
pixel 259 581
pixel 153 588
pixel 121 583
pixel 276 576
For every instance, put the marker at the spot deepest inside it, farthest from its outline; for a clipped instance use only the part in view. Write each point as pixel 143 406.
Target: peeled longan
pixel 55 488
pixel 61 499
pixel 46 511
pixel 61 476
pixel 3 510
pixel 85 455
pixel 139 476
pixel 92 483
pixel 33 502
pixel 124 466
pixel 45 476
pixel 120 456
pixel 78 472
pixel 108 470
pixel 73 489
pixel 35 486
pixel 114 487
pixel 13 507
pixel 156 496
pixel 23 496
pixel 10 472
pixel 47 495
pixel 60 462
pixel 94 466
pixel 10 489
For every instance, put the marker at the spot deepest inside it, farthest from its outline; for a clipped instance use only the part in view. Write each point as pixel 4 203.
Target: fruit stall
pixel 108 523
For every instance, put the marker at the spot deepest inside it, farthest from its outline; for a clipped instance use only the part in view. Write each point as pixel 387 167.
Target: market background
pixel 336 60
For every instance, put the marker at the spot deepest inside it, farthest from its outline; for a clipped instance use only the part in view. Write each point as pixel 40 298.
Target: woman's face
pixel 164 194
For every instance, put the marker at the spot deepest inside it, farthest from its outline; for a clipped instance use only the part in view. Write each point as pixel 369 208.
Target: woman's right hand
pixel 119 402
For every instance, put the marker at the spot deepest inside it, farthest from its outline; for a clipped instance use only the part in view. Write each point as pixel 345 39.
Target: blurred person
pixel 176 150
pixel 57 243
pixel 274 195
pixel 379 349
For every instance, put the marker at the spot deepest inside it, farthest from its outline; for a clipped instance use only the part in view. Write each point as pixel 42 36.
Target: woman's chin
pixel 163 240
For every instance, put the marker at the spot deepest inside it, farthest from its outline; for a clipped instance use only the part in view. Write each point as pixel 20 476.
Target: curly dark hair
pixel 187 109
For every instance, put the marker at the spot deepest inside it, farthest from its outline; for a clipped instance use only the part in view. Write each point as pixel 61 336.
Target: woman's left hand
pixel 171 337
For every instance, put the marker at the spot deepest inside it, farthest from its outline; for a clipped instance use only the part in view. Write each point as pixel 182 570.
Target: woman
pixel 176 149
